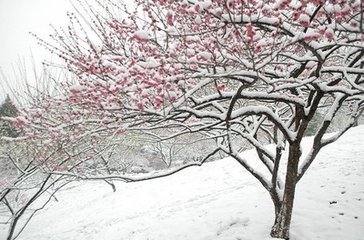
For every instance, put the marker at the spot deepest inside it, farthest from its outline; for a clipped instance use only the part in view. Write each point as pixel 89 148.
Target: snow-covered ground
pixel 219 201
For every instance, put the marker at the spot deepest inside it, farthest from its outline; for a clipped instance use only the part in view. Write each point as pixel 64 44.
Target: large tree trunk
pixel 283 216
pixel 283 209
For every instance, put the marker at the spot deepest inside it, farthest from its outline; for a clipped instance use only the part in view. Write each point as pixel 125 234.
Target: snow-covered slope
pixel 219 201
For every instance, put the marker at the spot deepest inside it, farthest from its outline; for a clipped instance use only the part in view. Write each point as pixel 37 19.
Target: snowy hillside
pixel 219 201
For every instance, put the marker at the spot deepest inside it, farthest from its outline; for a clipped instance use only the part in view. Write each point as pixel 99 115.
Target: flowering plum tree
pixel 254 71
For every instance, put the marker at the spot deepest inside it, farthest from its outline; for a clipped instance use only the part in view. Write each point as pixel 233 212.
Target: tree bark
pixel 283 209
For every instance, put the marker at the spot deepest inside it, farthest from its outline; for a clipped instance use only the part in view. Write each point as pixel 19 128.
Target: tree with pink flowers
pixel 237 72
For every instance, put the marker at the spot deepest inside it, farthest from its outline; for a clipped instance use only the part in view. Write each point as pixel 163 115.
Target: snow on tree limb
pixel 140 73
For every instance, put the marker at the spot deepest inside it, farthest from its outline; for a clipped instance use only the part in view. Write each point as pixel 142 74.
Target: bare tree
pixel 25 188
pixel 237 72
pixel 26 183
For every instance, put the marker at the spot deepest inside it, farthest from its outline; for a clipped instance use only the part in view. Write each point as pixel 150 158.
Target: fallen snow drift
pixel 218 201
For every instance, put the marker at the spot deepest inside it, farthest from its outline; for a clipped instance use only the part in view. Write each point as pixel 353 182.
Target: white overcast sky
pixel 17 19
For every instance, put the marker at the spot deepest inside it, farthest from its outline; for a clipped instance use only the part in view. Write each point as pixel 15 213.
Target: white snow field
pixel 218 201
